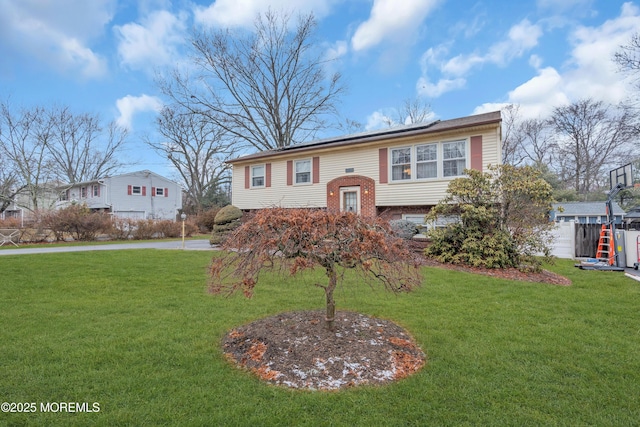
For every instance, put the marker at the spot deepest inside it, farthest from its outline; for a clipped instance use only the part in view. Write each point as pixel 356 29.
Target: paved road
pixel 194 245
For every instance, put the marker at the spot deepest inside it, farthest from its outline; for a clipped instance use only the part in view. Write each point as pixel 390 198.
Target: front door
pixel 350 199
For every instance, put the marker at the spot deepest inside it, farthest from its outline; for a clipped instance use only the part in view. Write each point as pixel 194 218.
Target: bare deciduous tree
pixel 591 135
pixel 8 182
pixel 537 141
pixel 628 57
pixel 41 147
pixel 266 89
pixel 512 138
pixel 197 149
pixel 24 144
pixel 80 149
pixel 412 111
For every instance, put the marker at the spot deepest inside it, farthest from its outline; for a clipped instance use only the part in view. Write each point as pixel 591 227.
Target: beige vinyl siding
pixel 364 160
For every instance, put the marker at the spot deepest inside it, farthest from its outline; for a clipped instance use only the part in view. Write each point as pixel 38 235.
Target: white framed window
pixel 454 159
pixel 302 171
pixel 427 161
pixel 401 163
pixel 83 192
pixel 136 190
pixel 257 176
pixel 159 191
pixel 95 190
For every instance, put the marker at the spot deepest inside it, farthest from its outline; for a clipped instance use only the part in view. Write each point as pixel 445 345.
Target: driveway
pixel 193 245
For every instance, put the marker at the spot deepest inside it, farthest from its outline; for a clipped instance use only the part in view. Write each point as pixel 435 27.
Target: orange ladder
pixel 606 250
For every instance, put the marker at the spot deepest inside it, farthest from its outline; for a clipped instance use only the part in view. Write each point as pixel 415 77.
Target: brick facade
pixel 367 193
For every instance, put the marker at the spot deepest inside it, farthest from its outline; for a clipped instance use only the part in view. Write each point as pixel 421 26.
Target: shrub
pixel 77 221
pixel 144 229
pixel 403 228
pixel 205 219
pixel 227 214
pixel 166 228
pixel 226 220
pixel 121 228
pixel 503 219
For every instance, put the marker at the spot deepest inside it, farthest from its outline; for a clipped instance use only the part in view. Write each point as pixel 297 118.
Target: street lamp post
pixel 183 216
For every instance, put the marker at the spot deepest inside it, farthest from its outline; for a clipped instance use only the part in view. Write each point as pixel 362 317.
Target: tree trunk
pixel 331 304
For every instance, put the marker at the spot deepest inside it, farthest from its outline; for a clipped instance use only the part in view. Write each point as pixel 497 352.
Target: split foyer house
pixel 135 195
pixel 399 173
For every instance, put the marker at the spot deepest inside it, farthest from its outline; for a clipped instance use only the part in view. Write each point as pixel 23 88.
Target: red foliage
pixel 293 240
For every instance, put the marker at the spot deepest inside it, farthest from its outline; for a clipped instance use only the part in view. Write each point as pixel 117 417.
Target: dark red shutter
pixel 166 192
pixel 153 191
pixel 316 170
pixel 289 172
pixel 267 172
pixel 476 152
pixel 144 190
pixel 129 190
pixel 383 165
pixel 247 177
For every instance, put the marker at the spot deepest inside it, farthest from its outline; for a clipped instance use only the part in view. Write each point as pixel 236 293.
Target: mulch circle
pixel 296 350
pixel 543 276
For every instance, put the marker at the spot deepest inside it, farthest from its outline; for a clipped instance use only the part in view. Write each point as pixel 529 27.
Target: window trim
pixel 133 190
pixel 411 163
pixel 295 173
pixel 439 161
pixel 252 176
pixel 466 157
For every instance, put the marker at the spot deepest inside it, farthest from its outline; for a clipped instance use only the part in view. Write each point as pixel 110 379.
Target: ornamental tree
pixel 289 241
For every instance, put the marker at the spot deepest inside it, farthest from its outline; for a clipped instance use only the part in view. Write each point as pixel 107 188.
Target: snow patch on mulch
pixel 296 350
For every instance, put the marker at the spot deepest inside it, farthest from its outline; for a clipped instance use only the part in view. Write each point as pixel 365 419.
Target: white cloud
pixel 391 19
pixel 242 13
pixel 131 105
pixel 592 72
pixel 589 73
pixel 537 96
pixel 377 120
pixel 153 42
pixel 51 32
pixel 336 51
pixel 521 38
pixel 535 61
pixel 430 90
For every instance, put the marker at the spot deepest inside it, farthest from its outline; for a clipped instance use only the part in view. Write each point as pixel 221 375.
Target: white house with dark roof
pixel 398 172
pixel 586 212
pixel 136 195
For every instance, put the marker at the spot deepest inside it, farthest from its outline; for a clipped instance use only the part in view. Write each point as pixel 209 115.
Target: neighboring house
pixel 398 173
pixel 136 195
pixel 24 209
pixel 586 212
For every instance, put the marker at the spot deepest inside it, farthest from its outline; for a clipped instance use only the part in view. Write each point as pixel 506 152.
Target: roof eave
pixel 493 118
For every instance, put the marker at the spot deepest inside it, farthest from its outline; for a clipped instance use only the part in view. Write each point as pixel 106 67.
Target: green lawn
pixel 136 332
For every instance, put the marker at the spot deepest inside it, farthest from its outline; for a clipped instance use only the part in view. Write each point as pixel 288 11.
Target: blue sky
pixel 460 56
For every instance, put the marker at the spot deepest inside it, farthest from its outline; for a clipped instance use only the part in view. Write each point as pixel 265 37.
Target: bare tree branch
pixel 266 89
pixel 197 149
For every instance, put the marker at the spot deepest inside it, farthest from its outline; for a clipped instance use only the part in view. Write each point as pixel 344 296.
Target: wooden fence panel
pixel 587 236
